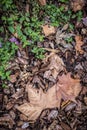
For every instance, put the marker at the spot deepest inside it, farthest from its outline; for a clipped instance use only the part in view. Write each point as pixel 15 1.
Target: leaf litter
pixel 48 30
pixel 66 88
pixel 77 5
pixel 54 67
pixel 79 43
pixel 49 77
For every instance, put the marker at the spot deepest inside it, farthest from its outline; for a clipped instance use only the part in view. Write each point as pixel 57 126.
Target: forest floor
pixel 49 93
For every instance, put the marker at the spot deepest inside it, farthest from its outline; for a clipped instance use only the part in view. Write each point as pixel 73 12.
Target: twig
pixel 51 50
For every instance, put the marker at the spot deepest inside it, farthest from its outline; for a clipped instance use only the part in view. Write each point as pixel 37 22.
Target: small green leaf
pixel 11 29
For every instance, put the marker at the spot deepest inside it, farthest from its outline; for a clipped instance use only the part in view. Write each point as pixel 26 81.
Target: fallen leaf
pixel 61 35
pixel 7 120
pixel 85 21
pixel 35 96
pixel 70 107
pixel 23 117
pixel 65 126
pixel 55 62
pixel 31 111
pixel 53 126
pixel 38 102
pixel 65 27
pixel 79 43
pixel 66 89
pixel 58 127
pixel 27 7
pixel 55 66
pixel 77 5
pixel 42 2
pixel 25 125
pixel 85 100
pixel 12 114
pixel 10 104
pixel 18 94
pixel 47 74
pixel 37 80
pixel 48 30
pixel 53 114
pixel 22 61
pixel 13 78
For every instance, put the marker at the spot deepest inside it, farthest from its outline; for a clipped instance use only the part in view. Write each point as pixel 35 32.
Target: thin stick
pixel 51 50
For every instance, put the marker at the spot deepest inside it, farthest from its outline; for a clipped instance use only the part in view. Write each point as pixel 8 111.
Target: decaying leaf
pixel 53 114
pixel 13 78
pixel 85 21
pixel 38 102
pixel 55 62
pixel 77 4
pixel 48 30
pixel 79 43
pixel 65 126
pixel 61 35
pixel 10 104
pixel 36 97
pixel 18 94
pixel 31 111
pixel 54 126
pixel 66 89
pixel 37 80
pixel 70 106
pixel 22 61
pixel 55 66
pixel 42 2
pixel 7 120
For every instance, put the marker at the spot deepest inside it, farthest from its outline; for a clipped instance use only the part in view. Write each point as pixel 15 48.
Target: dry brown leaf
pixel 10 104
pixel 52 100
pixel 22 61
pixel 18 94
pixel 77 5
pixel 7 120
pixel 48 30
pixel 37 80
pixel 53 114
pixel 79 43
pixel 66 89
pixel 36 97
pixel 31 111
pixel 42 2
pixel 38 102
pixel 55 62
pixel 13 78
pixel 61 35
pixel 56 65
pixel 65 126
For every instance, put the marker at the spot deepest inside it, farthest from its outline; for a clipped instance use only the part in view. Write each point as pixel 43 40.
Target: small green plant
pixel 58 16
pixel 7 4
pixel 26 28
pixel 64 1
pixel 38 52
pixel 79 15
pixel 69 40
pixel 7 51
